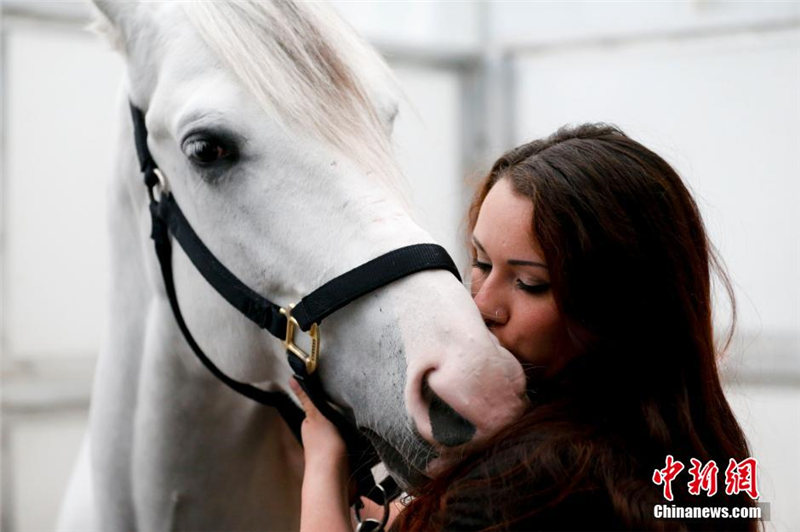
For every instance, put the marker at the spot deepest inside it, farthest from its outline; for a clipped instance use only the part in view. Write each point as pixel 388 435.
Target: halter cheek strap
pixel 168 219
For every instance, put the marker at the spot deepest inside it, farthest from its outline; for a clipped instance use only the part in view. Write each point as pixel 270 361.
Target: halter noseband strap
pixel 167 218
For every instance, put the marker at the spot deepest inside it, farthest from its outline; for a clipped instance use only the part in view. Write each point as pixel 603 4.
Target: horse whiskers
pixel 416 453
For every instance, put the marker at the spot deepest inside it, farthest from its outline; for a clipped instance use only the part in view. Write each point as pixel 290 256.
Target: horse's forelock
pixel 304 65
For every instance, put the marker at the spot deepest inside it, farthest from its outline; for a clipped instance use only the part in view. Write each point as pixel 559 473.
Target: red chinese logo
pixel 741 477
pixel 703 479
pixel 667 475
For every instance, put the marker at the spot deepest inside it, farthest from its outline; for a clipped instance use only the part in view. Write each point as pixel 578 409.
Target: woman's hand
pixel 321 439
pixel 326 493
pixel 325 502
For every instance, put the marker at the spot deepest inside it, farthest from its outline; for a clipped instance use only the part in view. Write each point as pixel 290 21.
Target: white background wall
pixel 714 86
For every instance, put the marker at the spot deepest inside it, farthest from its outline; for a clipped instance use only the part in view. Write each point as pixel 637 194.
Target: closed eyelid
pixel 478 245
pixel 479 254
pixel 483 266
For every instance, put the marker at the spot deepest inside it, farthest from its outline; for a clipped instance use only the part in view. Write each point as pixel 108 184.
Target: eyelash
pixel 482 266
pixel 541 288
pixel 533 288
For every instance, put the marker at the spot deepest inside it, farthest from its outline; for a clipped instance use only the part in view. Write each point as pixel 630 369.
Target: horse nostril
pixel 449 427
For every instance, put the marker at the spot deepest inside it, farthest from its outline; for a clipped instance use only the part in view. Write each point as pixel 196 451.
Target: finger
pixel 305 402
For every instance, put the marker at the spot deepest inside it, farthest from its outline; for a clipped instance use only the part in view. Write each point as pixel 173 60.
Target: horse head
pixel 271 123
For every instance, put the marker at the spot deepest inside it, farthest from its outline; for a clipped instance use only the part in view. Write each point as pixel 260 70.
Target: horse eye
pixel 206 151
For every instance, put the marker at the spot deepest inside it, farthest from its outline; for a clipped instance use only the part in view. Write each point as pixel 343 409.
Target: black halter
pixel 281 322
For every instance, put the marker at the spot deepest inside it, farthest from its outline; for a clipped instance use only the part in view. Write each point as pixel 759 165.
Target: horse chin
pixel 407 474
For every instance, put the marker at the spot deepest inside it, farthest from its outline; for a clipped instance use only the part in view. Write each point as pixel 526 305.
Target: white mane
pixel 293 55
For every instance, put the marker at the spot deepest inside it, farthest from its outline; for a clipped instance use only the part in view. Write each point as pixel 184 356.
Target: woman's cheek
pixel 537 332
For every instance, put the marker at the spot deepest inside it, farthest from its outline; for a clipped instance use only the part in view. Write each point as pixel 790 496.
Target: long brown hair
pixel 630 270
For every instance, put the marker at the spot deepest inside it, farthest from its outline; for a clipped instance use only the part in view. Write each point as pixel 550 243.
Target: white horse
pixel 271 122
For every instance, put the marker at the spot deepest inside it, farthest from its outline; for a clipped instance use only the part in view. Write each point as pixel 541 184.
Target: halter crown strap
pixel 146 163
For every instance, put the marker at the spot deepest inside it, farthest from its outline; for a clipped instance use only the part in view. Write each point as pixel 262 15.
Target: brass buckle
pixel 310 360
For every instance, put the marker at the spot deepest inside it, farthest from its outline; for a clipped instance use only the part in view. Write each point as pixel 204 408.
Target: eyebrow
pixel 512 262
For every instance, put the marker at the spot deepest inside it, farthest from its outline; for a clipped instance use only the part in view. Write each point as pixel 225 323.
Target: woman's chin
pixel 438 465
pixel 447 459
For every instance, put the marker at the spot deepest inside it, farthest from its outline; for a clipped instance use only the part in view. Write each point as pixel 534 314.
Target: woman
pixel 591 264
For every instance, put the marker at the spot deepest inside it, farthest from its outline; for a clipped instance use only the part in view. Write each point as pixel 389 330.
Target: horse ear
pixel 116 20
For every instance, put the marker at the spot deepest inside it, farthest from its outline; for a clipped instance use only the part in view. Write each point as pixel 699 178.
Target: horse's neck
pixel 171 446
pixel 114 396
pixel 199 446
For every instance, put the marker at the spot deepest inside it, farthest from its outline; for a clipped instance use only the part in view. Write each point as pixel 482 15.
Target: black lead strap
pixel 260 310
pixel 360 452
pixel 291 413
pixel 168 219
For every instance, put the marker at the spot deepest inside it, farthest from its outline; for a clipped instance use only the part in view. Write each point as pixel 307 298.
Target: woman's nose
pixel 490 301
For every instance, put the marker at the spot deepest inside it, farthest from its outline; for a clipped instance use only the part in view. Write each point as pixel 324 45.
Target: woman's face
pixel 511 282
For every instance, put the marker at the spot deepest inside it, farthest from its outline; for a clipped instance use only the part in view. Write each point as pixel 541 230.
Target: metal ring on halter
pixel 161 187
pixel 369 524
pixel 309 359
